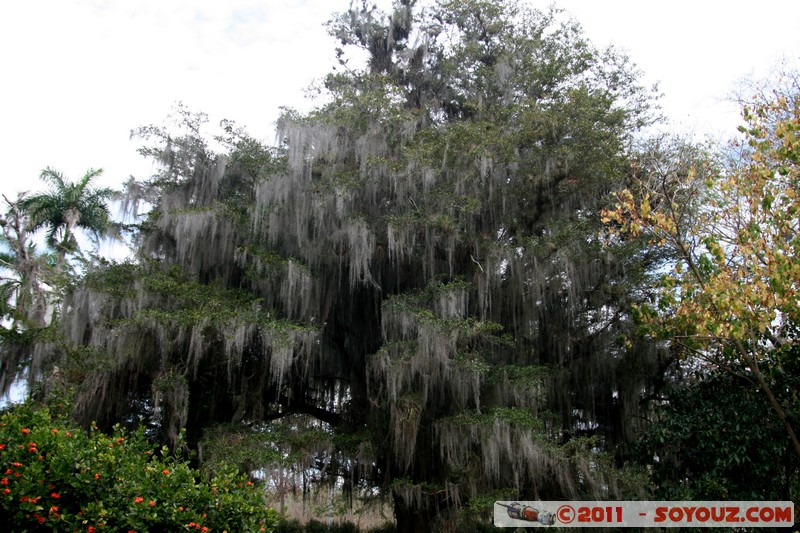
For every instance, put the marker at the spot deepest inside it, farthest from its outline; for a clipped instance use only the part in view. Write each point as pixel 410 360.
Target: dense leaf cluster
pixel 58 477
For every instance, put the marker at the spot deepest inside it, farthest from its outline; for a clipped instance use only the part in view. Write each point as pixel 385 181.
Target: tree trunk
pixel 410 520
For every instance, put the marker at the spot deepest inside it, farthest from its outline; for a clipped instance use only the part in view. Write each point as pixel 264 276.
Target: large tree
pixel 415 273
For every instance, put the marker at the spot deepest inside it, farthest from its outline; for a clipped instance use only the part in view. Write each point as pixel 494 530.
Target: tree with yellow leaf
pixel 731 296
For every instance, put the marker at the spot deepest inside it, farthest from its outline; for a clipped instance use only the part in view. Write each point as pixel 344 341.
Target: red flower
pixel 69 434
pixel 4 481
pixel 152 503
pixel 16 464
pixel 91 529
pixel 54 431
pixel 25 431
pixel 204 530
pixel 55 495
pixel 6 492
pixel 97 476
pixel 2 446
pixel 165 472
pixel 138 499
pixel 39 519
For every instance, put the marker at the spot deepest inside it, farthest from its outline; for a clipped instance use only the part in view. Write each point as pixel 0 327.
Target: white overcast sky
pixel 77 75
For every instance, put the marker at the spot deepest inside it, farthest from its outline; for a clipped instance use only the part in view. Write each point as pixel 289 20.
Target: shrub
pixel 56 477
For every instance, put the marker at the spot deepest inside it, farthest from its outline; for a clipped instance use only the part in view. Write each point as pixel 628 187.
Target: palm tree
pixel 23 294
pixel 67 206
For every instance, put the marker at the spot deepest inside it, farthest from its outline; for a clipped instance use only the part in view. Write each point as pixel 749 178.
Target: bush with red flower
pixel 55 477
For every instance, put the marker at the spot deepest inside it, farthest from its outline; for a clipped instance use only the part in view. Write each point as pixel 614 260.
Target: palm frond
pixel 50 236
pixel 99 195
pixel 9 288
pixel 42 209
pixel 55 178
pixel 87 178
pixel 7 258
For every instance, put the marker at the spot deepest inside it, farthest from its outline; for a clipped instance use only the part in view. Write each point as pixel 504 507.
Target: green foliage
pixel 731 297
pixel 515 417
pixel 422 305
pixel 287 443
pixel 717 439
pixel 118 280
pixel 316 526
pixel 61 478
pixel 67 206
pixel 186 301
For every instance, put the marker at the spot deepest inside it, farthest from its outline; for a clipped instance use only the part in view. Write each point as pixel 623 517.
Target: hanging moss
pixel 167 320
pixel 417 265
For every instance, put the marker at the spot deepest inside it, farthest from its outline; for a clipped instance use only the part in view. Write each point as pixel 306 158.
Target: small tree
pixel 732 297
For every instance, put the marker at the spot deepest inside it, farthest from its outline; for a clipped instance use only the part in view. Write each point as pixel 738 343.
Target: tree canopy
pixel 412 284
pixel 67 206
pixel 731 298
